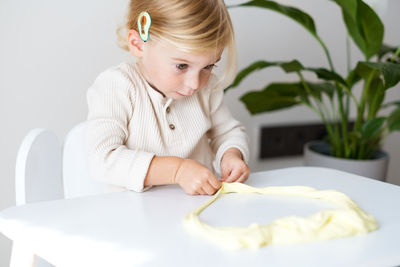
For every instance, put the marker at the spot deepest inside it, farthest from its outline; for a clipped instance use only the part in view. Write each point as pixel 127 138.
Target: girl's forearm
pixel 162 170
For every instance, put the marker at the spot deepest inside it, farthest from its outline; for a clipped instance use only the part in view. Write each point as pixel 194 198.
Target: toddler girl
pixel 162 119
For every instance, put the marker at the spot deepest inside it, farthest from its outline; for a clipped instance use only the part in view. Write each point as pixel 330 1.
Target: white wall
pixel 51 51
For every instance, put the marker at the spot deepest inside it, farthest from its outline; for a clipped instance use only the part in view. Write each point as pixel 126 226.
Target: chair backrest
pixel 38 172
pixel 48 170
pixel 75 171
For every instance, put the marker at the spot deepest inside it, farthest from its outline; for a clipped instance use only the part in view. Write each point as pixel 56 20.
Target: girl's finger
pixel 225 173
pixel 200 191
pixel 209 189
pixel 242 178
pixel 214 182
pixel 235 174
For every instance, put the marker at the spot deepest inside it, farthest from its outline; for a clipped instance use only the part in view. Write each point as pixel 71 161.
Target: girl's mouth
pixel 180 94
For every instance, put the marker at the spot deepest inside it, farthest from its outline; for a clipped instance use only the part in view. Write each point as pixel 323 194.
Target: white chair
pixel 46 169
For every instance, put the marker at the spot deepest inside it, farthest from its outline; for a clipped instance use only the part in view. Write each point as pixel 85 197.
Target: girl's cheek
pixel 205 78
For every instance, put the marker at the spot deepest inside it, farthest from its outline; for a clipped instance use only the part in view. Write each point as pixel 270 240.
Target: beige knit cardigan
pixel 129 123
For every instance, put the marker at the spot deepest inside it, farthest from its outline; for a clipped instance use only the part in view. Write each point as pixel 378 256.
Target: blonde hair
pixel 188 25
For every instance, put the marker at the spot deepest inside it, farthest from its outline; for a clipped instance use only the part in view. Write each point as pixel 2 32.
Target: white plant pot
pixel 316 153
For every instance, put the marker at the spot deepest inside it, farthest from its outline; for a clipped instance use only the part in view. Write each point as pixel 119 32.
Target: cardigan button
pixel 172 127
pixel 168 109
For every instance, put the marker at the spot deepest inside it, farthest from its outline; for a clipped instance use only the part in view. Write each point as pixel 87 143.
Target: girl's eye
pixel 210 66
pixel 182 66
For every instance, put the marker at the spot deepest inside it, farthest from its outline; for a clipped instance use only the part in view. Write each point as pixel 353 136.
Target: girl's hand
pixel 196 179
pixel 233 168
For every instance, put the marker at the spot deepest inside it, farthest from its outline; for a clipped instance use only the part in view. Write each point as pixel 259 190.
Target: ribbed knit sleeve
pixel 111 103
pixel 226 132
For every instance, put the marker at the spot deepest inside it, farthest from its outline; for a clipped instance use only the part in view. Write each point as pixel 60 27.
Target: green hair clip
pixel 143 24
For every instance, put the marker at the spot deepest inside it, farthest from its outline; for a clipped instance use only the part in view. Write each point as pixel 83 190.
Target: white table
pixel 145 229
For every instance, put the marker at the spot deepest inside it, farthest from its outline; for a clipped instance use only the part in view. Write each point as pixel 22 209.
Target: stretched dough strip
pixel 349 219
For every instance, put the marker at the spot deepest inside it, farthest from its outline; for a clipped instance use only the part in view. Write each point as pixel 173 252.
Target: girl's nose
pixel 193 82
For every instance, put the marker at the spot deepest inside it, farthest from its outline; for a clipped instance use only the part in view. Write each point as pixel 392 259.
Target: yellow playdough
pixel 349 219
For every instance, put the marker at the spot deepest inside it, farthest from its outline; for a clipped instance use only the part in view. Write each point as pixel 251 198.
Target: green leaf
pixel 327 75
pixel 349 12
pixel 394 120
pixel 389 70
pixel 258 65
pixel 318 88
pixel 288 67
pixel 372 127
pixel 393 103
pixel 283 95
pixel 371 27
pixel 274 97
pixel 375 96
pixel 353 78
pixel 386 49
pixel 363 25
pixel 291 66
pixel 364 71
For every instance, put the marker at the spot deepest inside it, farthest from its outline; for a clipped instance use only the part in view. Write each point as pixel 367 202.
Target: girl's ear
pixel 135 43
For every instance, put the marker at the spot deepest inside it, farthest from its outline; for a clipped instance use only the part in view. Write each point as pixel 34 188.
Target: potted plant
pixel 331 96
